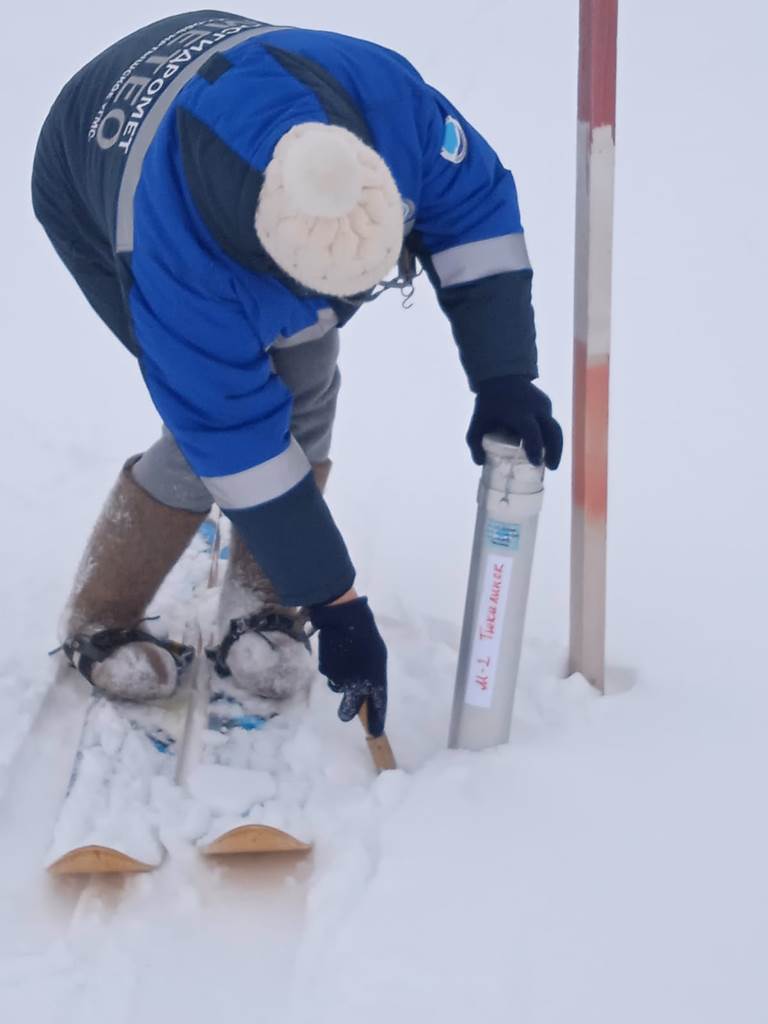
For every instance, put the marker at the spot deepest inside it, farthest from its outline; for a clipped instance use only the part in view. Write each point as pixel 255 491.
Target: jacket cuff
pixel 492 322
pixel 351 613
pixel 297 543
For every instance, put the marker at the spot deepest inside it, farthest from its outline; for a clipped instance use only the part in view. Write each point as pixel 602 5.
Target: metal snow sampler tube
pixel 509 501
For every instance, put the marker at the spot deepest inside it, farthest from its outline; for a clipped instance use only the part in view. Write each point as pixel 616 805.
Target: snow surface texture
pixel 609 864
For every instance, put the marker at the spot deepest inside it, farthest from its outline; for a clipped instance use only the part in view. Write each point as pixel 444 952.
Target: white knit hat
pixel 329 213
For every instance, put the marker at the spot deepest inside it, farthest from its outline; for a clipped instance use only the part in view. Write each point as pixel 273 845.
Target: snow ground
pixel 609 864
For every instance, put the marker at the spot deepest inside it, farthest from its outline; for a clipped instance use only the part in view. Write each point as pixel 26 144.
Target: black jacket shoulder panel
pixel 338 105
pixel 225 190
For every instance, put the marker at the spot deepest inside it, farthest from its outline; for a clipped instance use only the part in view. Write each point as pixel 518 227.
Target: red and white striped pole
pixel 592 334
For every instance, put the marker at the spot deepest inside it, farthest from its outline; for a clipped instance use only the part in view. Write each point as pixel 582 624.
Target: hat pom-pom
pixel 322 175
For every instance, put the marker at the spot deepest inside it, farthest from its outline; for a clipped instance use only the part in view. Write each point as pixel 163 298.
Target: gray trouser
pixel 310 373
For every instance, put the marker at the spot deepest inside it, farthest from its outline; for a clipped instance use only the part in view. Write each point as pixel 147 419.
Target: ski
pixel 249 771
pixel 240 769
pixel 245 777
pixel 125 753
pixel 129 753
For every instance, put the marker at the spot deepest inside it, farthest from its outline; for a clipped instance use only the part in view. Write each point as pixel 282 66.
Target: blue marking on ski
pixel 162 742
pixel 222 723
pixel 207 531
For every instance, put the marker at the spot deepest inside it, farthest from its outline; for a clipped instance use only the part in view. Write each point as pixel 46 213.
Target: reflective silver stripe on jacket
pixel 326 321
pixel 145 134
pixel 475 260
pixel 260 483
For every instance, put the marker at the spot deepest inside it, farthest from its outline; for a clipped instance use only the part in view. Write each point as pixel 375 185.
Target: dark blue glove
pixel 512 404
pixel 353 657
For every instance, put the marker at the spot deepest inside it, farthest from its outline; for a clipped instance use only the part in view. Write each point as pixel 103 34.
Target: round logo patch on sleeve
pixel 454 141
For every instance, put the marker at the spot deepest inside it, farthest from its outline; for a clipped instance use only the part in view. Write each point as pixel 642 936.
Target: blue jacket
pixel 166 137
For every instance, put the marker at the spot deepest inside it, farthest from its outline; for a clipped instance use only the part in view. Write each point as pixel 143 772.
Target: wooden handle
pixel 378 746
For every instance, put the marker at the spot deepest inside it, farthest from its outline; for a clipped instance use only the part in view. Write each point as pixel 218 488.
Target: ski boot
pixel 264 650
pixel 135 543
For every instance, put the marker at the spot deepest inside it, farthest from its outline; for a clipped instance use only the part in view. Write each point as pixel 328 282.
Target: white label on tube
pixel 489 624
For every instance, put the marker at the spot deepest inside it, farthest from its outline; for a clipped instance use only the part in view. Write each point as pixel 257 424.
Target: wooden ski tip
pixel 97 860
pixel 255 839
